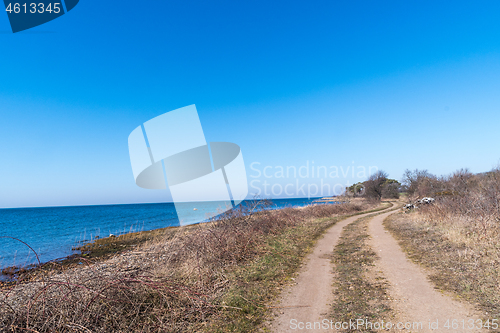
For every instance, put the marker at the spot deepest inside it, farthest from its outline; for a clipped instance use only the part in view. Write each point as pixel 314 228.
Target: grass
pixel 460 261
pixel 106 247
pixel 360 292
pixel 99 250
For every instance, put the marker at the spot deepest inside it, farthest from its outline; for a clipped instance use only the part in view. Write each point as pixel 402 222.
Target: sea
pixel 52 232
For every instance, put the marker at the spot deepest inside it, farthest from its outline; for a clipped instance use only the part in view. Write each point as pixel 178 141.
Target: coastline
pixel 98 249
pixel 53 231
pixel 105 247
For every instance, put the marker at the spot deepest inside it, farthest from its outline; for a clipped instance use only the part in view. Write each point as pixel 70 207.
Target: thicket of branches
pixel 462 194
pixel 377 186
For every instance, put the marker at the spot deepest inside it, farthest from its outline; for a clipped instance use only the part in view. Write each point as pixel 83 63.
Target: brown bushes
pixel 166 286
pixel 472 201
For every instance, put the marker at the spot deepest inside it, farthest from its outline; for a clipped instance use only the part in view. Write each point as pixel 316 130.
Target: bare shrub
pixel 475 198
pixel 420 183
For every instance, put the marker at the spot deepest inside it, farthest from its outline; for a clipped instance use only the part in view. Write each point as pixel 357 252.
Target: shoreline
pixel 99 249
pixel 53 231
pixel 104 248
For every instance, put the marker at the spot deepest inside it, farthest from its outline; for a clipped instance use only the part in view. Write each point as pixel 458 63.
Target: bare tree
pixel 374 186
pixel 420 182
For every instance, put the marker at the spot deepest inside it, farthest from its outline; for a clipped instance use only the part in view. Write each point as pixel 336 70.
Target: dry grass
pixel 462 255
pixel 206 277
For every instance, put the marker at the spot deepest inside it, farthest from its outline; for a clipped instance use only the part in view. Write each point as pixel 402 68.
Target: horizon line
pixel 152 203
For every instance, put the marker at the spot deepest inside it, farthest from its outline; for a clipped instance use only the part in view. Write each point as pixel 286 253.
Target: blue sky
pixel 394 85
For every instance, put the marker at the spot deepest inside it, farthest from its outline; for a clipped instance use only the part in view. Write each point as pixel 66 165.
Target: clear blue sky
pixel 396 85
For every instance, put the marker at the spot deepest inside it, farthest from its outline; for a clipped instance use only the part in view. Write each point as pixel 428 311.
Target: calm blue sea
pixel 53 231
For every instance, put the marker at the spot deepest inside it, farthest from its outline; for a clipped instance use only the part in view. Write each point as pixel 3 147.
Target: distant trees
pixel 374 186
pixel 377 186
pixel 356 190
pixel 391 189
pixel 420 183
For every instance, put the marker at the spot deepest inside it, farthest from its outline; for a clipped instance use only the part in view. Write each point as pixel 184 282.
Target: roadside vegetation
pixel 216 277
pixel 458 236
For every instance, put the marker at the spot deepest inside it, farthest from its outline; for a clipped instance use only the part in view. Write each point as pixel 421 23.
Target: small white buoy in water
pixel 195 209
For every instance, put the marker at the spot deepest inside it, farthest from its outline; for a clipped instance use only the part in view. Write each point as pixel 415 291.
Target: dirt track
pixel 310 298
pixel 414 297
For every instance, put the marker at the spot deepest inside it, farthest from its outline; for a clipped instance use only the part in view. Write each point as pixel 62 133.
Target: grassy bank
pixel 460 260
pixel 210 277
pixel 99 250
